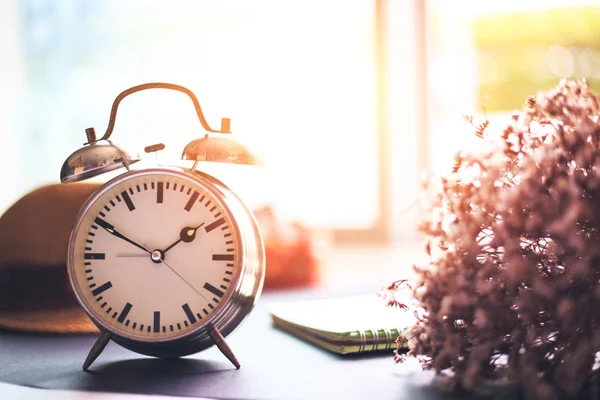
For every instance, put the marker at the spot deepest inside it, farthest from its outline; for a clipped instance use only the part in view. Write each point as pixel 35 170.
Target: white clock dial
pixel 155 255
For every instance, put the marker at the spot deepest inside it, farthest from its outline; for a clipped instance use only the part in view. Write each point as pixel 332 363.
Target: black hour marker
pixel 106 208
pixel 128 201
pixel 191 201
pixel 156 321
pixel 189 313
pixel 213 289
pixel 215 224
pixel 222 257
pixel 159 192
pixel 104 224
pixel 94 256
pixel 124 312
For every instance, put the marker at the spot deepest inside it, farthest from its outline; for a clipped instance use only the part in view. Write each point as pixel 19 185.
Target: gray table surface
pixel 275 365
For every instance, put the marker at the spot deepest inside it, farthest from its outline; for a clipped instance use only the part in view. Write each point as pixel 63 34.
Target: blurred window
pixel 298 80
pixel 486 58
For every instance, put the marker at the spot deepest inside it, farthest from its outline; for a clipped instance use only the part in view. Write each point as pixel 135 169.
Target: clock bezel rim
pixel 220 311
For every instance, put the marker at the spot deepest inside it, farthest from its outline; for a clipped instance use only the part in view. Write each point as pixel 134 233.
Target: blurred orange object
pixel 292 260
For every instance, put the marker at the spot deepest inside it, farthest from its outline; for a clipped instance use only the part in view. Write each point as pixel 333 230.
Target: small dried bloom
pixel 389 294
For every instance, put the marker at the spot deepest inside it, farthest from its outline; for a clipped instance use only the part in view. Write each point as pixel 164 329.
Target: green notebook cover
pixel 344 325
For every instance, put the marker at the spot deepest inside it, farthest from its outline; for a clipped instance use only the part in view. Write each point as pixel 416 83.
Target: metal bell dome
pixel 219 148
pixel 94 159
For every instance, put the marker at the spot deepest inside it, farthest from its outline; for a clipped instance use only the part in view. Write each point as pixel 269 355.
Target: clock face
pixel 155 255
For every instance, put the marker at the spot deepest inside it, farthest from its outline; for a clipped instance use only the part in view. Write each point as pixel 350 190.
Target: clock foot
pixel 96 350
pixel 219 340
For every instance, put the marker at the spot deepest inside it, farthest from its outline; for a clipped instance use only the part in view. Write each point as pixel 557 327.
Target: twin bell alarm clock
pixel 166 261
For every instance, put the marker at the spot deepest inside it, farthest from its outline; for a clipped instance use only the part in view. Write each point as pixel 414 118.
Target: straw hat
pixel 35 293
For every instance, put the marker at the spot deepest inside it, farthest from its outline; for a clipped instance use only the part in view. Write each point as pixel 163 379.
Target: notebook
pixel 344 325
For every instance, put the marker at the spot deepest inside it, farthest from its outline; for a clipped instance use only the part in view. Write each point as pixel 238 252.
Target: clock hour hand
pixel 187 235
pixel 111 229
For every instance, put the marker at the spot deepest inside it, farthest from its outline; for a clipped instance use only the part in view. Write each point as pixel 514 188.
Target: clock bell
pixel 100 155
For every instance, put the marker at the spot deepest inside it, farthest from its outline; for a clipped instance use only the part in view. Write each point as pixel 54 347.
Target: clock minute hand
pixel 111 229
pixel 187 235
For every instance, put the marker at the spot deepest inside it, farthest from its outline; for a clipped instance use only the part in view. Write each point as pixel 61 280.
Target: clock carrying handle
pixel 225 122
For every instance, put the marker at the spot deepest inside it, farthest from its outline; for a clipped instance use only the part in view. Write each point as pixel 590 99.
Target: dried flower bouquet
pixel 511 290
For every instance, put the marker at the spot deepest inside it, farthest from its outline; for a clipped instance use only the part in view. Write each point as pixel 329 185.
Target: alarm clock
pixel 167 260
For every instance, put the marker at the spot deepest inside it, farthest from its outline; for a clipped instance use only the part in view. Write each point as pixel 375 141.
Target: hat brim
pixel 64 320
